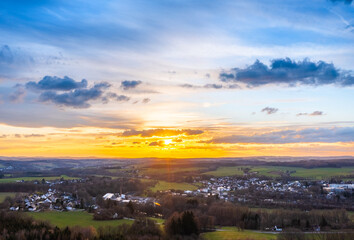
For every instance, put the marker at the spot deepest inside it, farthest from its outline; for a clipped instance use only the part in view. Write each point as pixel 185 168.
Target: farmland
pixel 226 171
pixel 233 233
pixel 4 195
pixel 39 178
pixel 83 219
pixel 277 171
pixel 163 185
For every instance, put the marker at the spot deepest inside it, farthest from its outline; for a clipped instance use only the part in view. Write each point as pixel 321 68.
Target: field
pixel 171 169
pixel 351 216
pixel 322 173
pixel 4 195
pixel 233 233
pixel 277 171
pixel 163 185
pixel 226 171
pixel 9 180
pixel 83 219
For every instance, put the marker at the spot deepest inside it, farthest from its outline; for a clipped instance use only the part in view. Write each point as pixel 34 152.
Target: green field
pixel 171 169
pixel 4 195
pixel 320 173
pixel 351 216
pixel 273 171
pixel 163 186
pixel 226 171
pixel 277 171
pixel 10 180
pixel 83 219
pixel 313 173
pixel 233 233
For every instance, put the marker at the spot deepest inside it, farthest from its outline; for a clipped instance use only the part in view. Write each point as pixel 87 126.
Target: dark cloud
pixel 77 98
pixel 315 113
pixel 11 62
pixel 159 132
pixel 270 110
pixel 57 84
pixel 115 97
pixel 342 1
pixel 158 143
pixel 6 55
pixel 146 100
pixel 126 85
pixel 18 94
pixel 345 134
pixel 33 135
pixel 214 86
pixel 288 72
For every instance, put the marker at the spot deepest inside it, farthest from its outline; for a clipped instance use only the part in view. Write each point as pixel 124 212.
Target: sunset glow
pixel 176 80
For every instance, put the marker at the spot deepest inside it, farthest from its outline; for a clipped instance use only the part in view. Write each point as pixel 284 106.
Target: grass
pixel 169 169
pixel 163 186
pixel 277 171
pixel 351 216
pixel 311 173
pixel 4 195
pixel 233 233
pixel 70 219
pixel 323 173
pixel 226 171
pixel 10 180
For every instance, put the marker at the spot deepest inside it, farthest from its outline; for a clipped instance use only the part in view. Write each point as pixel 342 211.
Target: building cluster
pixel 228 188
pixel 338 190
pixel 126 198
pixel 52 200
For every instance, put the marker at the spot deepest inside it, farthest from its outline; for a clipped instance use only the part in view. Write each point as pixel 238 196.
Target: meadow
pixel 232 233
pixel 39 178
pixel 4 195
pixel 170 169
pixel 277 171
pixel 226 171
pixel 70 219
pixel 163 186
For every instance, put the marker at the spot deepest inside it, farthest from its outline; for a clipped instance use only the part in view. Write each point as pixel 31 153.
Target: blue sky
pixel 176 51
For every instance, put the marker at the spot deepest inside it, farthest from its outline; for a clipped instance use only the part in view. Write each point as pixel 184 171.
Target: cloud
pixel 126 85
pixel 11 62
pixel 315 113
pixel 18 94
pixel 215 86
pixel 56 83
pixel 146 100
pixel 288 72
pixel 208 86
pixel 344 1
pixel 33 135
pixel 116 97
pixel 77 98
pixel 6 55
pixel 159 132
pixel 270 110
pixel 22 135
pixel 330 135
pixel 158 143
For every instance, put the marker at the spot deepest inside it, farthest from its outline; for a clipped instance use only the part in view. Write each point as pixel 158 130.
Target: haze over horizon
pixel 176 79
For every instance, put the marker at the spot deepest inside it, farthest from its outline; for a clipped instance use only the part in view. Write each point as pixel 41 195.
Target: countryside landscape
pixel 230 198
pixel 176 120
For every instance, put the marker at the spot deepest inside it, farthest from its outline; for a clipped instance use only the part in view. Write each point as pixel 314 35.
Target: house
pixel 277 229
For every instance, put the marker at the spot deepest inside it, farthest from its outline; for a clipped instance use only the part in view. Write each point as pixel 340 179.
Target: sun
pixel 168 141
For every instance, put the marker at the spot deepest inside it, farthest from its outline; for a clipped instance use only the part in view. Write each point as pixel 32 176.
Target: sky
pixel 176 79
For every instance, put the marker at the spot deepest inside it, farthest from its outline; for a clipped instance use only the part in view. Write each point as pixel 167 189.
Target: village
pixel 230 189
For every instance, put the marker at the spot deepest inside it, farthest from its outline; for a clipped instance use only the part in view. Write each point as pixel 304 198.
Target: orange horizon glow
pixel 98 142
